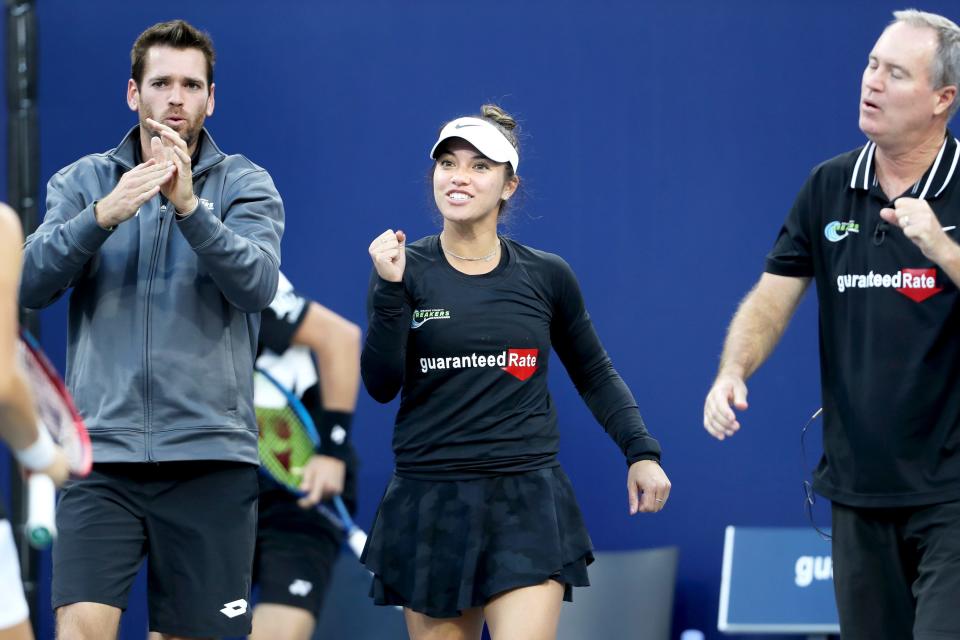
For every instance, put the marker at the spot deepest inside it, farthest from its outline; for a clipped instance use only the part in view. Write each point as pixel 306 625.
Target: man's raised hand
pixel 168 144
pixel 134 188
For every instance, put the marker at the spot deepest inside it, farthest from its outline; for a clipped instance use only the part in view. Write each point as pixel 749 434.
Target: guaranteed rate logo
pixel 520 363
pixel 916 284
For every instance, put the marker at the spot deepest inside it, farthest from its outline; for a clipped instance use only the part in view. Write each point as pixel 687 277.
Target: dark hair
pixel 507 125
pixel 178 34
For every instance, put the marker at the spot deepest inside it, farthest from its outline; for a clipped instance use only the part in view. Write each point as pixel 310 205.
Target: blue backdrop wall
pixel 663 144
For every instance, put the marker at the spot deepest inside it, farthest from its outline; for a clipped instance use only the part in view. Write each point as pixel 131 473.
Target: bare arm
pixel 18 422
pixel 755 330
pixel 336 343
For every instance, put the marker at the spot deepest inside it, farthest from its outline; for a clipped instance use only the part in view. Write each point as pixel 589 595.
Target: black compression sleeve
pixel 603 390
pixel 382 360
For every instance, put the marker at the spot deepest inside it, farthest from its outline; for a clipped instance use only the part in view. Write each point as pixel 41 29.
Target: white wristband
pixel 40 454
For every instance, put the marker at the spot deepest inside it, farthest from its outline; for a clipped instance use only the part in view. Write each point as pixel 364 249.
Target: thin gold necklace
pixel 485 258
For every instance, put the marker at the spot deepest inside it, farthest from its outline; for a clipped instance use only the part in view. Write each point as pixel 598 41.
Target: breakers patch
pixel 520 363
pixel 836 231
pixel 421 316
pixel 916 284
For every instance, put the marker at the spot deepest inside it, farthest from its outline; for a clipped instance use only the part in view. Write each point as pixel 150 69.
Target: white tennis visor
pixel 484 136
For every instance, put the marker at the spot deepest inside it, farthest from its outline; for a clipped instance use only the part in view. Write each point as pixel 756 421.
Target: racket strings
pixel 283 445
pixel 55 414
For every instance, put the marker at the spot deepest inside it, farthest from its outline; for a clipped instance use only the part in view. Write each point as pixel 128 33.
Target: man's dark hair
pixel 178 34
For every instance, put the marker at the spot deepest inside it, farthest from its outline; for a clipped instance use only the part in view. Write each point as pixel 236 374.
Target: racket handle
pixel 41 526
pixel 357 540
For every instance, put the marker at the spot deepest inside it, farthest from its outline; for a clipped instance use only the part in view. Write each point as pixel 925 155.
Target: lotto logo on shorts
pixel 234 609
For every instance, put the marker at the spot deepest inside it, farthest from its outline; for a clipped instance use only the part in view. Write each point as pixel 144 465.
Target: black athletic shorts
pixel 897 572
pixel 194 521
pixel 296 551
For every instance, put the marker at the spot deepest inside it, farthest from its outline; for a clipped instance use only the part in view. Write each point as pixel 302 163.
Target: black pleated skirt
pixel 439 547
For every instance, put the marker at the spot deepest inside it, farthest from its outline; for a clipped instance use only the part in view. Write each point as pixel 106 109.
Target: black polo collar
pixel 928 187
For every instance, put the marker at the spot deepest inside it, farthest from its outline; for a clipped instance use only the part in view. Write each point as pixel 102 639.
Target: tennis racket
pixel 287 440
pixel 58 415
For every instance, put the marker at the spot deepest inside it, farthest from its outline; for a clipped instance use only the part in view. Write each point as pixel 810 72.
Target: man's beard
pixel 191 127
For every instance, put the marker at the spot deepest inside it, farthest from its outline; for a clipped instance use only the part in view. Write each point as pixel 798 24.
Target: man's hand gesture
pixel 134 188
pixel 169 145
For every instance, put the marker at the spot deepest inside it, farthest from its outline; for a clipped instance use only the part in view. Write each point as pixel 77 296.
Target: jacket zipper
pixel 154 259
pixel 147 382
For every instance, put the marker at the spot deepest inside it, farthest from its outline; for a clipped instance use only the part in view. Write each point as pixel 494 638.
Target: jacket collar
pixel 208 153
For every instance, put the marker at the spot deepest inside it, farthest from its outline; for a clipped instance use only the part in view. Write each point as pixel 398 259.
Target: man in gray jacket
pixel 172 249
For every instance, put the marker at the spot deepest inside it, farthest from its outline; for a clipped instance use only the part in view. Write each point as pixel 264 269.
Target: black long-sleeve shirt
pixel 470 355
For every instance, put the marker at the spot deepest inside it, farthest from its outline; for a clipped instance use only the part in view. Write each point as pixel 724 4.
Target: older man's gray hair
pixel 945 70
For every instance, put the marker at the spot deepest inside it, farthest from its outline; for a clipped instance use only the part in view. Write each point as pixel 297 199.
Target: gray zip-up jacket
pixel 165 311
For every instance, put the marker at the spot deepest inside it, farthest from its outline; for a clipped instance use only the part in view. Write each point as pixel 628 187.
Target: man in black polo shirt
pixel 877 229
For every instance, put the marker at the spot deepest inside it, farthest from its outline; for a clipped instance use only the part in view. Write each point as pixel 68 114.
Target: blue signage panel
pixel 777 580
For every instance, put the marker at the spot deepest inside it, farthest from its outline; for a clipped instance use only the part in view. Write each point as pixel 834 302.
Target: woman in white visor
pixel 479 522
